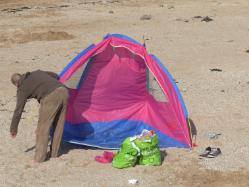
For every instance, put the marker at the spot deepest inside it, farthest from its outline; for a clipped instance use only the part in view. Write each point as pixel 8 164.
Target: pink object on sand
pixel 107 157
pixel 195 145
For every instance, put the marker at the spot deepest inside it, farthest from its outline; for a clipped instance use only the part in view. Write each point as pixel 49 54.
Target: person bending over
pixel 52 96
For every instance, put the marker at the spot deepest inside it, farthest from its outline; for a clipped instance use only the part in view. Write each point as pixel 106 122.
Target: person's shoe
pixel 206 152
pixel 214 152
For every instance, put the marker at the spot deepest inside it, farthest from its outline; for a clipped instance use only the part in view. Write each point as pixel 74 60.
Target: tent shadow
pixel 67 147
pixel 163 154
pixel 193 131
pixel 193 127
pixel 29 149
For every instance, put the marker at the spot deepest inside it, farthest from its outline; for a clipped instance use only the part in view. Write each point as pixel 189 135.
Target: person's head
pixel 15 78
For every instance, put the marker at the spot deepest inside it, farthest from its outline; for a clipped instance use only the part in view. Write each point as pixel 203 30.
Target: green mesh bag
pixel 149 151
pixel 126 156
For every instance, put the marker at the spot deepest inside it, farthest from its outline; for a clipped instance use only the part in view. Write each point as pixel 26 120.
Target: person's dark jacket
pixel 36 84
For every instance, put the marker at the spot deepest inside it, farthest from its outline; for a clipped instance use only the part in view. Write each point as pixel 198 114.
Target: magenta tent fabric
pixel 112 101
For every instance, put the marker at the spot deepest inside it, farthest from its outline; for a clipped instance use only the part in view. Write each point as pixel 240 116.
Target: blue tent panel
pixel 111 134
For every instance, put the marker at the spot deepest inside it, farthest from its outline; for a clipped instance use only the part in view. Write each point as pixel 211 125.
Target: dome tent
pixel 117 89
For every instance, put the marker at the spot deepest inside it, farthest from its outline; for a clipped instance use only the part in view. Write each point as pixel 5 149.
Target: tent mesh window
pixel 77 78
pixel 154 88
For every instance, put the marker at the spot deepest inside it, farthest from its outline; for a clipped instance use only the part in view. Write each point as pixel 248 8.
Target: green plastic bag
pixel 126 156
pixel 149 151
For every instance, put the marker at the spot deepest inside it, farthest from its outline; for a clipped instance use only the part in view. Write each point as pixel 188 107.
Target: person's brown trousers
pixel 52 115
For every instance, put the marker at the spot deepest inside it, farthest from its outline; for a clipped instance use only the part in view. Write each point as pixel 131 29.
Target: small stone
pixel 145 17
pixel 110 12
pixel 25 7
pixel 64 6
pixel 207 19
pixel 216 69
pixel 27 166
pixel 171 7
pixel 176 81
pixel 197 17
pixel 247 51
pixel 184 20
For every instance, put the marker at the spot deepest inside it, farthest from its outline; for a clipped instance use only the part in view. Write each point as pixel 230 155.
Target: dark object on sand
pixel 184 20
pixel 211 152
pixel 11 10
pixel 145 17
pixel 213 135
pixel 206 152
pixel 207 19
pixel 214 152
pixel 247 51
pixel 110 12
pixel 216 69
pixel 171 7
pixel 64 6
pixel 197 17
pixel 176 81
pixel 25 8
pixel 14 10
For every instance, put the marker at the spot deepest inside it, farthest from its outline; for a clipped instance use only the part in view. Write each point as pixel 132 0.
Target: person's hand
pixel 13 134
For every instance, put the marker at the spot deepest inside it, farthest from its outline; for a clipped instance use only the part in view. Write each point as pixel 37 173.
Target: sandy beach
pixel 205 46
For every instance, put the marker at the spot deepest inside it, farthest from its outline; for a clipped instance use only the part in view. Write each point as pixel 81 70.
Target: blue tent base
pixel 110 135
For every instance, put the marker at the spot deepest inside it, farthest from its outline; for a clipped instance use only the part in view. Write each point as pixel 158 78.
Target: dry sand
pixel 48 34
